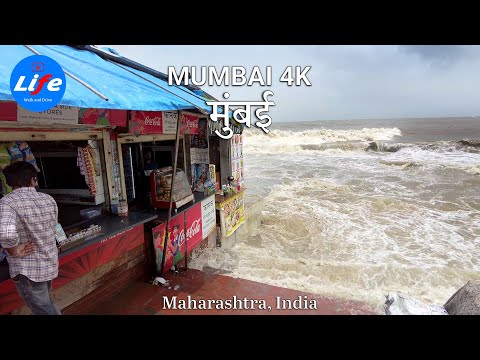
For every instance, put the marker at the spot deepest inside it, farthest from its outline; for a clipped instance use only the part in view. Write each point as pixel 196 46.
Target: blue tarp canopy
pixel 124 89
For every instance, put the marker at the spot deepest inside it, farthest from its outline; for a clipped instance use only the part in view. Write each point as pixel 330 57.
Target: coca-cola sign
pixel 194 226
pixel 192 234
pixel 156 121
pixel 194 229
pixel 176 242
pixel 189 124
pixel 145 122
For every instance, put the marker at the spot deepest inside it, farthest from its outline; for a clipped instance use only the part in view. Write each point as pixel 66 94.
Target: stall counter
pixel 111 226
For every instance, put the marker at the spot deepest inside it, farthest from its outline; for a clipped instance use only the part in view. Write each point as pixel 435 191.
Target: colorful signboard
pixel 191 123
pixel 194 234
pixel 236 151
pixel 199 144
pixel 94 116
pixel 232 214
pixel 160 122
pixel 105 117
pixel 158 235
pixel 176 239
pixel 200 176
pixel 193 217
pixel 145 122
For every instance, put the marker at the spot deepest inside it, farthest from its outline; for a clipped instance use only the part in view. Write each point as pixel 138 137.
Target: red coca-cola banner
pixel 194 226
pixel 175 250
pixel 161 122
pixel 176 243
pixel 191 123
pixel 145 122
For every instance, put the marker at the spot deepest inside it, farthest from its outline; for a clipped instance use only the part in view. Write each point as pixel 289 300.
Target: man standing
pixel 27 231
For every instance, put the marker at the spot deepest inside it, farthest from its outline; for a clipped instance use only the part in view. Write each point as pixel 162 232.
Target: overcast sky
pixel 348 82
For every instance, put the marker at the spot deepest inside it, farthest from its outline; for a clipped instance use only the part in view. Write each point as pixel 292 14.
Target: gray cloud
pixel 347 81
pixel 438 53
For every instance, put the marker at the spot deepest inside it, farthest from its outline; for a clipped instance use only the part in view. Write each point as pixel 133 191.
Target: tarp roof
pixel 124 89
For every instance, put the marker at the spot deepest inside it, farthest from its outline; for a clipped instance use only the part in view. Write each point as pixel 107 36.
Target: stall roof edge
pixel 108 55
pixel 125 87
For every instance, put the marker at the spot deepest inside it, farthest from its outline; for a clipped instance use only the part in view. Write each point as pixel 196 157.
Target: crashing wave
pixel 474 170
pixel 366 139
pixel 402 164
pixel 324 135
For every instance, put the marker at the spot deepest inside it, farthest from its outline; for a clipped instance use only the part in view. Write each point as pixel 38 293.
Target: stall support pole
pixel 185 153
pixel 187 132
pixel 165 243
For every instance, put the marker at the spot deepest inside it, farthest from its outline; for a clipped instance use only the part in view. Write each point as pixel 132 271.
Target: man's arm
pixel 8 227
pixel 9 236
pixel 21 250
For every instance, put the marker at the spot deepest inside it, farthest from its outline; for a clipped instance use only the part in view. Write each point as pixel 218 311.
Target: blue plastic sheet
pixel 124 89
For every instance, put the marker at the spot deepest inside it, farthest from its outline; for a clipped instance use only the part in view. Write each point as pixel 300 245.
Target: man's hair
pixel 19 174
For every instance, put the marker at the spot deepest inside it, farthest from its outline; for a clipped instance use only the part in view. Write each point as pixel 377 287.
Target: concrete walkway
pixel 195 288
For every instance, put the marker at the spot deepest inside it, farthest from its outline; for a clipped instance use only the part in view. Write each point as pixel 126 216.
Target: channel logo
pixel 38 83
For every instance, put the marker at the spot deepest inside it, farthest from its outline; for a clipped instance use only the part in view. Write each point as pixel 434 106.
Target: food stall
pixel 73 163
pixel 92 157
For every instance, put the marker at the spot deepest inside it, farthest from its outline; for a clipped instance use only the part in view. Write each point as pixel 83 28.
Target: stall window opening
pixel 72 173
pixel 139 160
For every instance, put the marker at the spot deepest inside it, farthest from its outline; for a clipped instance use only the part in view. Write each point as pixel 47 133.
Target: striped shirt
pixel 27 215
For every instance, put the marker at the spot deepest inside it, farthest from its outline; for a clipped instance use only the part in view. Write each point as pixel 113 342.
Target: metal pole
pixel 186 247
pixel 187 132
pixel 184 154
pixel 171 193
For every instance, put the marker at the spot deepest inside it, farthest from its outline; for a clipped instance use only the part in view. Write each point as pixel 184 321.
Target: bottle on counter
pixel 123 208
pixel 114 205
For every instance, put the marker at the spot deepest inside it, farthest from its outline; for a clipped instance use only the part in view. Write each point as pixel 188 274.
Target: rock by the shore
pixel 466 301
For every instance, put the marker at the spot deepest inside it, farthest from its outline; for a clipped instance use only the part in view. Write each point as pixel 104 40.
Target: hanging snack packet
pixel 28 155
pixel 15 152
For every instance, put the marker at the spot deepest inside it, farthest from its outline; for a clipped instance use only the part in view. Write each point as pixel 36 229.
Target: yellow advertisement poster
pixel 232 214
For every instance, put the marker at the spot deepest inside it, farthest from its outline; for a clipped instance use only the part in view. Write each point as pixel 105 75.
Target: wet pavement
pixel 194 292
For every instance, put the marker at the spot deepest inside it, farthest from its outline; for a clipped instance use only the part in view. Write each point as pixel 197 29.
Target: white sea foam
pixel 287 141
pixel 345 218
pixel 474 170
pixel 314 240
